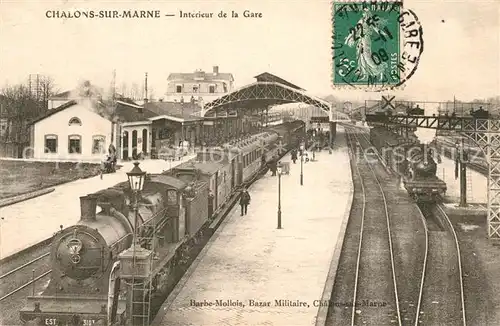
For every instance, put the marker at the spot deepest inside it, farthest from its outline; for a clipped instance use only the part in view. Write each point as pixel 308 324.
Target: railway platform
pixel 27 223
pixel 477 191
pixel 250 272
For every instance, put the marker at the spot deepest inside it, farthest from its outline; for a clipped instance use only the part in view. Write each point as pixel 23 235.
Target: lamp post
pixel 135 261
pixel 301 165
pixel 136 180
pixel 279 168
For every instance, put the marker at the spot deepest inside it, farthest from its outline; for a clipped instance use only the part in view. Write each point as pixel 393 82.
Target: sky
pixel 292 40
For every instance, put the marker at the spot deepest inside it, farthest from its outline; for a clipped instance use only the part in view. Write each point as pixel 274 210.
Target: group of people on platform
pixel 302 153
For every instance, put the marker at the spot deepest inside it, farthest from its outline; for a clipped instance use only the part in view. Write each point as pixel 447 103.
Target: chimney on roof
pixel 216 70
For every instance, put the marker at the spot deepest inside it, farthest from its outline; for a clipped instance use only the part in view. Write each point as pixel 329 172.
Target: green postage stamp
pixel 376 45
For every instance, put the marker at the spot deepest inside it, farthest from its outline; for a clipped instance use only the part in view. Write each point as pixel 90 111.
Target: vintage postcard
pixel 265 162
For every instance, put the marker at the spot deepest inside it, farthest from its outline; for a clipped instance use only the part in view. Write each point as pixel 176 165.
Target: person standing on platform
pixel 294 155
pixel 244 201
pixel 273 166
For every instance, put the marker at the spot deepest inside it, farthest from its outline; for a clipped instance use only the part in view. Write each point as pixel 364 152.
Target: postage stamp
pixel 376 45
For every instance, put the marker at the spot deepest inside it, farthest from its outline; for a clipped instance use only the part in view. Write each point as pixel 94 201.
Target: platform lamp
pixel 135 262
pixel 301 165
pixel 136 181
pixel 280 170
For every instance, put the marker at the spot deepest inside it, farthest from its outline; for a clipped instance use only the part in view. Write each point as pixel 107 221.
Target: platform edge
pixel 332 273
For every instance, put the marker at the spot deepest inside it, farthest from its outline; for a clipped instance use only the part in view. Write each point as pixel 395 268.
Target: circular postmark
pixel 376 45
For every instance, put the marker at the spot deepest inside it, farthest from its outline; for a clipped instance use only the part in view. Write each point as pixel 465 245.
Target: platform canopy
pixel 269 90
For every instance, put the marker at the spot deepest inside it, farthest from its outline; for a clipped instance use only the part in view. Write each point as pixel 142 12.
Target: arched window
pixel 74 144
pixel 144 140
pixel 50 143
pixel 75 121
pixel 98 142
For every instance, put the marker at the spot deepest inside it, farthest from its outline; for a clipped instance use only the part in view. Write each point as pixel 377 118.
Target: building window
pixel 75 144
pixel 178 88
pixel 75 121
pixel 211 89
pixel 50 144
pixel 98 142
pixel 195 89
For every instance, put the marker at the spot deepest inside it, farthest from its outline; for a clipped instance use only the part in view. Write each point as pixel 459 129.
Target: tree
pixel 47 89
pixel 20 108
pixel 151 93
pixel 124 90
pixel 134 92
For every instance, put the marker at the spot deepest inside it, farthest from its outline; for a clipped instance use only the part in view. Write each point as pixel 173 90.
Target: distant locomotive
pixel 413 161
pixel 415 111
pixel 480 113
pixel 175 207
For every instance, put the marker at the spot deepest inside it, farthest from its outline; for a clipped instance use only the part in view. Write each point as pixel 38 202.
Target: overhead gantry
pixel 484 132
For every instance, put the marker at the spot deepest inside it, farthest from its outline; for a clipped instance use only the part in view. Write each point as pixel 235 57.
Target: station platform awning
pixel 269 90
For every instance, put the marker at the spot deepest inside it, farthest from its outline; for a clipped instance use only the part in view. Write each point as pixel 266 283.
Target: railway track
pixel 374 297
pixel 22 276
pixel 441 297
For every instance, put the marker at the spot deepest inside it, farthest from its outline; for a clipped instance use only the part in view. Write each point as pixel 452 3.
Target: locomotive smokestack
pixel 88 205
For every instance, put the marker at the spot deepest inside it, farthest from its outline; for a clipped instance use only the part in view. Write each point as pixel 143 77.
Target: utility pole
pixel 146 88
pixel 113 86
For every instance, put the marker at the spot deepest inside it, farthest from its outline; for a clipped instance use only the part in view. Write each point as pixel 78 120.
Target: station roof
pixel 175 111
pixel 267 77
pixel 125 111
pixel 267 91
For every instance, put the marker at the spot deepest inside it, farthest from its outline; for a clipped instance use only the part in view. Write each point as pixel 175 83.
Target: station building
pixel 199 86
pixel 84 130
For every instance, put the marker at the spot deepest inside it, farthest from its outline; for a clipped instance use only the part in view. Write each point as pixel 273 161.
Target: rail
pixel 358 260
pixel 25 285
pixel 459 259
pixel 391 250
pixel 425 260
pixel 424 268
pixel 24 265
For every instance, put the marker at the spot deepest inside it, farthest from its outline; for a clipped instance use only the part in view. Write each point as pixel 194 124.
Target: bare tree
pixel 135 92
pixel 47 89
pixel 20 108
pixel 124 90
pixel 151 93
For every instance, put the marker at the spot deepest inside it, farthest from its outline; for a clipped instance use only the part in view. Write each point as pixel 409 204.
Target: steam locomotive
pixel 176 209
pixel 413 161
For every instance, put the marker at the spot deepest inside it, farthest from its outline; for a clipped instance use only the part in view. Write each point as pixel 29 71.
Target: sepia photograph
pixel 265 162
